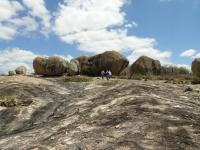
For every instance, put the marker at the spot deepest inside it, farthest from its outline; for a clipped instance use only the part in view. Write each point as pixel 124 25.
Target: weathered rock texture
pixel 21 70
pixel 109 60
pixel 145 65
pixel 52 66
pixel 196 67
pixel 11 73
pixel 74 67
pixel 127 115
pixel 126 72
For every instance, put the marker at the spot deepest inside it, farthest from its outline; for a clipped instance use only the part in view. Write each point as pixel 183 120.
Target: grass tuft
pixel 109 83
pixel 77 79
pixel 8 101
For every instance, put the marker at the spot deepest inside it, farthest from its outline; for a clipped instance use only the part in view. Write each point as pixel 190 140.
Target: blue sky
pixel 162 29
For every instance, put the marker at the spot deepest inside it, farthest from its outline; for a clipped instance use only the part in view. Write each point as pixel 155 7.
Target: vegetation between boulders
pixel 77 79
pixel 109 83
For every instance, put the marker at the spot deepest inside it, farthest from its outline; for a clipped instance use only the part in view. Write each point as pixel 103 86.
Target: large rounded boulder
pixel 52 66
pixel 73 68
pixel 21 70
pixel 109 60
pixel 11 73
pixel 145 66
pixel 196 67
pixel 84 65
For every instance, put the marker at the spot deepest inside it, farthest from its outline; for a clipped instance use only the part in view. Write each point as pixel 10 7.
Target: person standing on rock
pixel 102 74
pixel 108 74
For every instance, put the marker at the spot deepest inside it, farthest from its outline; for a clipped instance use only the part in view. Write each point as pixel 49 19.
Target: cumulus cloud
pixel 9 9
pixel 197 55
pixel 11 58
pixel 114 39
pixel 18 19
pixel 38 9
pixel 96 26
pixel 189 53
pixel 6 33
pixel 92 25
pixel 164 57
pixel 79 15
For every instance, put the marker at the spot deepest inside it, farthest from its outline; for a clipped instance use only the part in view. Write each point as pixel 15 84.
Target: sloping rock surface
pixel 95 116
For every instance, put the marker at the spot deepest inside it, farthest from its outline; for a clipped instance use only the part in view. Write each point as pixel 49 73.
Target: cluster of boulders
pixel 92 66
pixel 21 70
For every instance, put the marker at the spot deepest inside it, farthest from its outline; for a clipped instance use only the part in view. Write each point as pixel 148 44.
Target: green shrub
pixel 8 101
pixel 77 79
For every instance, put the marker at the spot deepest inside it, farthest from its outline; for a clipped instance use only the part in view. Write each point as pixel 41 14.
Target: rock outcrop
pixel 21 70
pixel 126 72
pixel 109 60
pixel 84 65
pixel 11 73
pixel 73 68
pixel 196 67
pixel 146 65
pixel 52 66
pixel 127 115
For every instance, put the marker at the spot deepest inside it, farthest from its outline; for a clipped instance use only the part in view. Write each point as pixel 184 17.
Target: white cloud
pixel 96 26
pixel 92 25
pixel 189 53
pixel 26 24
pixel 80 15
pixel 9 9
pixel 6 33
pixel 16 19
pixel 11 58
pixel 39 10
pixel 164 57
pixel 197 55
pixel 116 40
pixel 17 26
pixel 131 25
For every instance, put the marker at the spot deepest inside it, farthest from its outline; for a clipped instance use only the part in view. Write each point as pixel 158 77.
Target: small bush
pixel 77 79
pixel 8 101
